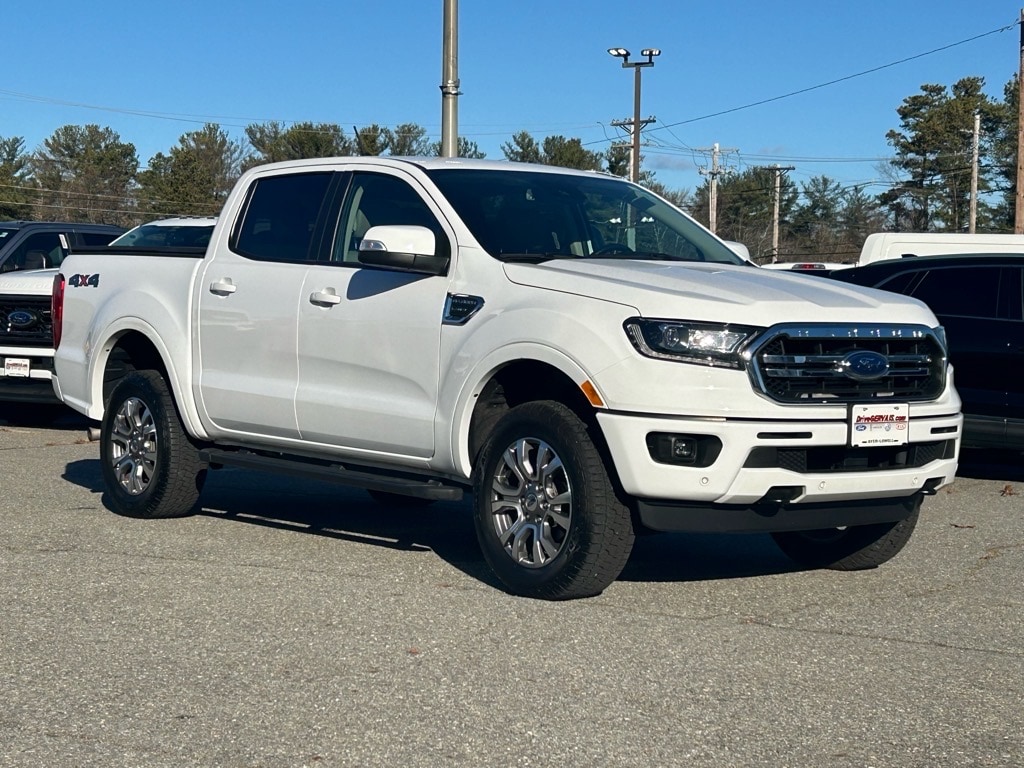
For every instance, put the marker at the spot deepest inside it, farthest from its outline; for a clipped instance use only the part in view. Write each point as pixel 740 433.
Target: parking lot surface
pixel 291 623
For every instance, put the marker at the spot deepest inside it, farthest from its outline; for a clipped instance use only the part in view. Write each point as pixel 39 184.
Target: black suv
pixel 43 244
pixel 979 299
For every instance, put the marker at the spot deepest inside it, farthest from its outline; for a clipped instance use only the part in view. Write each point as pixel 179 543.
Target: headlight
pixel 688 342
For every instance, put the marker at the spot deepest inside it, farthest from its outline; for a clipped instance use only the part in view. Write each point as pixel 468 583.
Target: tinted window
pixel 95 238
pixel 964 291
pixel 37 251
pixel 900 283
pixel 281 216
pixel 377 199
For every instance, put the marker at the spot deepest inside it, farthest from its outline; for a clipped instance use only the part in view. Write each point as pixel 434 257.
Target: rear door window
pixel 281 217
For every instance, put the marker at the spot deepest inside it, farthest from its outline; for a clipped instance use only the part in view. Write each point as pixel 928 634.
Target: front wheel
pixel 150 466
pixel 854 548
pixel 547 517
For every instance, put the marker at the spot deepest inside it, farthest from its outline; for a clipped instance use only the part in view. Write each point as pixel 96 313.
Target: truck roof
pixel 430 164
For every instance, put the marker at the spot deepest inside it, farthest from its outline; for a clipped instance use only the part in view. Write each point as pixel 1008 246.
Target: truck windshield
pixel 537 216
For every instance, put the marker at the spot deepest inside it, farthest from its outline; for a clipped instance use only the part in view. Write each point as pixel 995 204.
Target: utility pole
pixel 975 142
pixel 450 81
pixel 775 214
pixel 633 128
pixel 1018 225
pixel 713 173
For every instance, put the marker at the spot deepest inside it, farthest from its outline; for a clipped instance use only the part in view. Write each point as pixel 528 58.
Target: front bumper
pixel 766 468
pixel 37 387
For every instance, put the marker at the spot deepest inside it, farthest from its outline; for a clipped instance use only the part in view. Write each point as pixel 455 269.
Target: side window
pixel 377 199
pixel 96 238
pixel 280 217
pixel 901 283
pixel 961 291
pixel 38 251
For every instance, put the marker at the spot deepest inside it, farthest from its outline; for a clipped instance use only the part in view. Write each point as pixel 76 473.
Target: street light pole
pixel 450 81
pixel 637 123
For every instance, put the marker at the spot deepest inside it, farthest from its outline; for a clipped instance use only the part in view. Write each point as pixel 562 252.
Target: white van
pixel 898 245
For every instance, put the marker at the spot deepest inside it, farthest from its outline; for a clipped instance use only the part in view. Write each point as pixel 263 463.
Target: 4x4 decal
pixel 84 281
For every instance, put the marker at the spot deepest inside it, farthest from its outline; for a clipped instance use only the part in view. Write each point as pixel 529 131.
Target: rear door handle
pixel 325 298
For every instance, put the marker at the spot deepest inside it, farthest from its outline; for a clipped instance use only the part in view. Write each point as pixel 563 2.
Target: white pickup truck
pixel 583 357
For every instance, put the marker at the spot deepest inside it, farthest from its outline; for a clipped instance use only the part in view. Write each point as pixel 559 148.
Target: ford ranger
pixel 580 355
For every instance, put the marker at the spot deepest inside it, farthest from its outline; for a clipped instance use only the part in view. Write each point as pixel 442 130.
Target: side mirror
pixel 403 247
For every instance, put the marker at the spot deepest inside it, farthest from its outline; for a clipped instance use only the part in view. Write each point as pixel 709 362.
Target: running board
pixel 336 473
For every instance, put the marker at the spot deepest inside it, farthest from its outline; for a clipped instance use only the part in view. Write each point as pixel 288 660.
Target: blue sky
pixel 153 71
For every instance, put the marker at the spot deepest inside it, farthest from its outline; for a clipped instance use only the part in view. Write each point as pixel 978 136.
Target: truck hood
pixel 35 282
pixel 720 292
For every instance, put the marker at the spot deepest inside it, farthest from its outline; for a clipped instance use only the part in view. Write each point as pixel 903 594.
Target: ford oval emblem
pixel 865 365
pixel 22 319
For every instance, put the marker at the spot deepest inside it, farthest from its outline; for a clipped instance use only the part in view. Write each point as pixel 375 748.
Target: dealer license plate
pixel 16 366
pixel 872 425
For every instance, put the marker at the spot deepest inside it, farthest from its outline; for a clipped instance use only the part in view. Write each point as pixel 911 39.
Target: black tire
pixel 849 549
pixel 150 466
pixel 399 500
pixel 547 517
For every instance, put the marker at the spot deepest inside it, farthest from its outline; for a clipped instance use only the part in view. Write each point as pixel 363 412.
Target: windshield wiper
pixel 636 256
pixel 532 258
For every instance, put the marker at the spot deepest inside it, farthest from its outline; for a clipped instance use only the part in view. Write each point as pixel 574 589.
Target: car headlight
pixel 690 342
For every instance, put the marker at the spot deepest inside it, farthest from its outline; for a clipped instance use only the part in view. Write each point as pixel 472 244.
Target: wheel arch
pixel 135 348
pixel 511 382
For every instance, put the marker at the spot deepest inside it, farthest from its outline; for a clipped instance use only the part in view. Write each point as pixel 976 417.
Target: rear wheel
pixel 849 549
pixel 150 466
pixel 547 517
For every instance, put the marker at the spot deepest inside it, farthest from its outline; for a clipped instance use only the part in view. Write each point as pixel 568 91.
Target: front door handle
pixel 223 287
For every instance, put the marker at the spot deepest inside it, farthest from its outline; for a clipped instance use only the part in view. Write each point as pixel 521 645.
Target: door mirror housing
pixel 403 247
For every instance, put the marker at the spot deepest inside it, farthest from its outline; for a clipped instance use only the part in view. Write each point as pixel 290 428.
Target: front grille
pixel 810 364
pixel 25 321
pixel 840 458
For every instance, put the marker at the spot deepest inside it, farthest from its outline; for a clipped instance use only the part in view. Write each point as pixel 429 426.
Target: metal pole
pixel 713 192
pixel 975 141
pixel 635 170
pixel 1018 226
pixel 450 81
pixel 775 215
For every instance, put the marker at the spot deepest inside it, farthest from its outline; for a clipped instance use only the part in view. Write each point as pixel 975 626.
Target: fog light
pixel 684 450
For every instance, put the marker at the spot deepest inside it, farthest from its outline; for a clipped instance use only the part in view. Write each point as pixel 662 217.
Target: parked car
pixel 882 246
pixel 30 253
pixel 978 299
pixel 44 244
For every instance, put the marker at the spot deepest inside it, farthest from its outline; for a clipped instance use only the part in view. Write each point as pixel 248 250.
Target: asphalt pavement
pixel 292 623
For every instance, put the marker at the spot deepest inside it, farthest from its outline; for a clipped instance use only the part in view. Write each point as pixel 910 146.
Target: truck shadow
pixel 41 416
pixel 991 464
pixel 444 528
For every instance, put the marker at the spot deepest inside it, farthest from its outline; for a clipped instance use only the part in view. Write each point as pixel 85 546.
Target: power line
pixel 839 79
